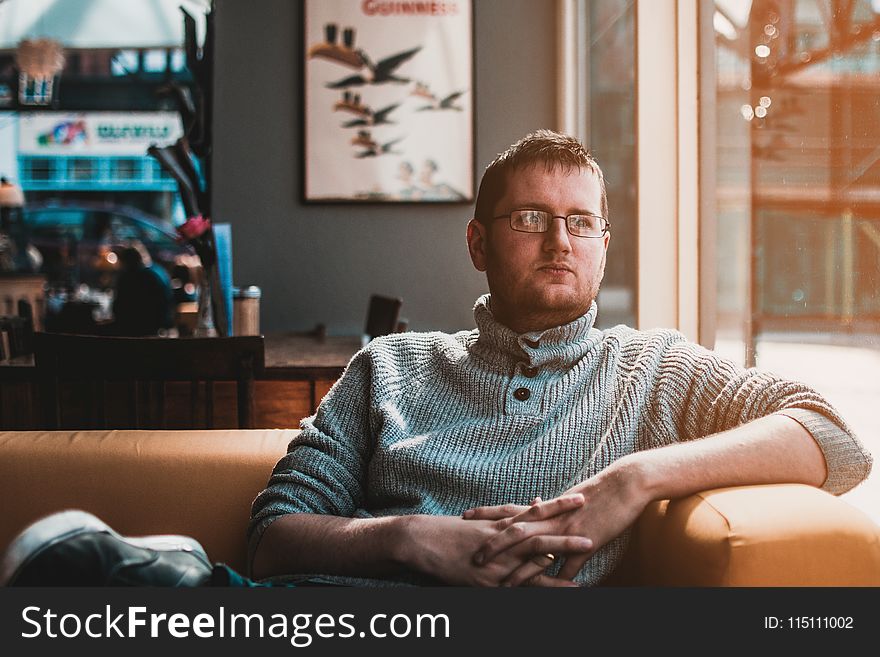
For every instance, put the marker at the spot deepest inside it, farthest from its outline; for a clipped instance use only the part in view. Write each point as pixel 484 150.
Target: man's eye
pixel 531 218
pixel 584 222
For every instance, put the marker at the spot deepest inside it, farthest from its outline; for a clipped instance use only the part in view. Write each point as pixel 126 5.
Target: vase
pixel 205 327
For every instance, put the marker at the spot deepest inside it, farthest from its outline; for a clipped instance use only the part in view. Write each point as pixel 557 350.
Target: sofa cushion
pixel 195 483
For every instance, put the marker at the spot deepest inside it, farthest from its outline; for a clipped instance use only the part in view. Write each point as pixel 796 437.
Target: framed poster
pixel 389 103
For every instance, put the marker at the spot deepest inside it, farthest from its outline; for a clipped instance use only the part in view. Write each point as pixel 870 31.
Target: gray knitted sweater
pixel 432 423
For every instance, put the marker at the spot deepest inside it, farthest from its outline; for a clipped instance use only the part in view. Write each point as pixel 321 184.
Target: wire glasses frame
pixel 538 221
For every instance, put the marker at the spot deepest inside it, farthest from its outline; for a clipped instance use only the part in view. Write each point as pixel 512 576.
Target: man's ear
pixel 477 234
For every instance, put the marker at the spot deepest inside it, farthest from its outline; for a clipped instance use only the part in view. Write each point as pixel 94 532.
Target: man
pixel 144 301
pixel 521 451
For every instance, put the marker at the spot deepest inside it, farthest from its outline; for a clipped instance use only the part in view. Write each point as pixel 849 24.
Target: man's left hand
pixel 614 498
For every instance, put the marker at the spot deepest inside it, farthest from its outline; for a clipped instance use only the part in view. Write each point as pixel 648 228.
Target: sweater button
pixel 522 394
pixel 530 372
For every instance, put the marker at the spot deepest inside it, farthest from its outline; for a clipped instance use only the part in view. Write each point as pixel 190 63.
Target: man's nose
pixel 557 238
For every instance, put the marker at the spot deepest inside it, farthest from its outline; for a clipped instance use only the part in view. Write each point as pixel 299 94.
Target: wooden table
pixel 295 356
pixel 319 361
pixel 300 369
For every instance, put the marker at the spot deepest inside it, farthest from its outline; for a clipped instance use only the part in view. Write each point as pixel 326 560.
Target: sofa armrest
pixel 776 535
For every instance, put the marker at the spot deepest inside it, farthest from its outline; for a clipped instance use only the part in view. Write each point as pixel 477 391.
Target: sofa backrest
pixel 202 484
pixel 196 483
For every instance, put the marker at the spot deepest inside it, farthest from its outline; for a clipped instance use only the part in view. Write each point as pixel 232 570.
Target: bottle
pixel 246 310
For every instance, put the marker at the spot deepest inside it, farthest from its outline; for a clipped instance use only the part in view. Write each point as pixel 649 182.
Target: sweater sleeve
pixel 699 393
pixel 323 471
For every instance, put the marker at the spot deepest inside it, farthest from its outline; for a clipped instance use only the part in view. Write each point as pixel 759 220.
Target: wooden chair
pixel 383 314
pixel 140 369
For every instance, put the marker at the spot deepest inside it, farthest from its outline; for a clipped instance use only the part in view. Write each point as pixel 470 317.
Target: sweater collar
pixel 557 347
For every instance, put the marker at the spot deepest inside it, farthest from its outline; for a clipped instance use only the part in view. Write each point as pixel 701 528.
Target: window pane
pixel 178 60
pixel 125 168
pixel 39 169
pixel 612 141
pixel 155 61
pixel 798 198
pixel 124 62
pixel 81 169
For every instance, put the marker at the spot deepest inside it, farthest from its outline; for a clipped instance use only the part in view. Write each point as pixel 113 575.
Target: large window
pixel 741 139
pixel 797 116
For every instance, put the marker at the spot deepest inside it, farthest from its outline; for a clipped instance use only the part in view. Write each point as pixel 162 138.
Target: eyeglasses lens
pixel 537 221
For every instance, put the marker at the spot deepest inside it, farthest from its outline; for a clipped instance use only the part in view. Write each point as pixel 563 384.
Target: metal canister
pixel 246 310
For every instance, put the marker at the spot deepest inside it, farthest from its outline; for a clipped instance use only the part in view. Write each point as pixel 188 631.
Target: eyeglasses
pixel 538 221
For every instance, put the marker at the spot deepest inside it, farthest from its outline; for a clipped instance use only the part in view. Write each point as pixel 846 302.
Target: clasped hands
pixel 528 539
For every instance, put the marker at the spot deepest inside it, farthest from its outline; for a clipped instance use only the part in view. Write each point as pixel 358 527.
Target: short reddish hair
pixel 546 147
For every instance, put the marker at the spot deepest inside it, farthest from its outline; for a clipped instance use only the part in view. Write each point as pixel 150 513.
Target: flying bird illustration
pixel 363 138
pixel 447 103
pixel 423 90
pixel 371 118
pixel 376 73
pixel 351 103
pixel 371 146
pixel 344 53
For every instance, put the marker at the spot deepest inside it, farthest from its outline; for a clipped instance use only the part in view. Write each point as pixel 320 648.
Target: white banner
pixel 96 133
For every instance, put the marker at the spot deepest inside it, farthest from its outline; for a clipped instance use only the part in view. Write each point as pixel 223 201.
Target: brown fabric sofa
pixel 202 483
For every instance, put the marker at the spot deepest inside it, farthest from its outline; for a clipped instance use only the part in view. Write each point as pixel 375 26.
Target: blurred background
pixel 740 141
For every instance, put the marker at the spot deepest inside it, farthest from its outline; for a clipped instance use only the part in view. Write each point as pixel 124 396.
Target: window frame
pixel 675 154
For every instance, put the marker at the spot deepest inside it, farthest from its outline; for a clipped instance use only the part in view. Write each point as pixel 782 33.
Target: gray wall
pixel 320 263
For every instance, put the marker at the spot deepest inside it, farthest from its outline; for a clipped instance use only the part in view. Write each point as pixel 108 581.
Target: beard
pixel 525 308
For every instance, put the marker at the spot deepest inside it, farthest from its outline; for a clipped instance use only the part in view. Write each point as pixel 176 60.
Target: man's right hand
pixel 443 547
